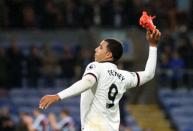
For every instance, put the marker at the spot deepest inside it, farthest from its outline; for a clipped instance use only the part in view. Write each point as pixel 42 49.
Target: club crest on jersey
pixel 92 66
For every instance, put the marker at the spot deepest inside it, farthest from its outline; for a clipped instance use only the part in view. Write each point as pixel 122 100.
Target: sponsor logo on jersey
pixel 92 66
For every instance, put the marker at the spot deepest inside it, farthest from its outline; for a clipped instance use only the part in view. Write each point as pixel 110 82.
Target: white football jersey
pixel 100 104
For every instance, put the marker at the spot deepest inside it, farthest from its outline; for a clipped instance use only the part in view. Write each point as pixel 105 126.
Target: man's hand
pixel 153 37
pixel 48 100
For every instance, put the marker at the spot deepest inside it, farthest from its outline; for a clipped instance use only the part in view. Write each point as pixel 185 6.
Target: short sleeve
pixel 92 69
pixel 132 80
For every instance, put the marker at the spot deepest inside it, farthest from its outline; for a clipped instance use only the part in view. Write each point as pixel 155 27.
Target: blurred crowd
pixel 37 121
pixel 58 14
pixel 175 61
pixel 42 66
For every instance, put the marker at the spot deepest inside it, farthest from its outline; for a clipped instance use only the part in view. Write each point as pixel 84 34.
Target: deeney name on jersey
pixel 118 75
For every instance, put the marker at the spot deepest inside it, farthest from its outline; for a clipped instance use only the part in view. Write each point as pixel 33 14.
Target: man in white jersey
pixel 103 85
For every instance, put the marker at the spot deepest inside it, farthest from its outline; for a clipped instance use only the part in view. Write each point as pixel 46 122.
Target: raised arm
pixel 149 72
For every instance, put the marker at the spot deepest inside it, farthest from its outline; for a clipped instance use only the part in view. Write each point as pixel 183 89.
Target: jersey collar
pixel 109 62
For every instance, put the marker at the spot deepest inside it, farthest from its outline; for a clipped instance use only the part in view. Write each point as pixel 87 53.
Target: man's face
pixel 102 53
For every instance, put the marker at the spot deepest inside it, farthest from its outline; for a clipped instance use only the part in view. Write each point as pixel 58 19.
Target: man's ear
pixel 109 55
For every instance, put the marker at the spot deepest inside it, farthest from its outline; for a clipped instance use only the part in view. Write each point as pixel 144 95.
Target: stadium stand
pixel 150 117
pixel 178 105
pixel 49 24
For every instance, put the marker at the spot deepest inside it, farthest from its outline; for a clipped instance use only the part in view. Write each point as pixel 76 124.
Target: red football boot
pixel 147 21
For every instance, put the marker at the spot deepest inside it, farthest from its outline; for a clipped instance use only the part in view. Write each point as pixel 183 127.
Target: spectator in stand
pixel 71 14
pixel 3 15
pixel 52 16
pixel 15 61
pixel 96 12
pixel 86 11
pixel 14 7
pixel 190 21
pixel 185 49
pixel 40 123
pixel 25 123
pixel 6 122
pixel 34 65
pixel 119 14
pixel 28 15
pixel 39 9
pixel 182 14
pixel 67 64
pixel 167 44
pixel 176 65
pixel 165 73
pixel 133 12
pixel 169 9
pixel 49 67
pixel 65 124
pixel 3 69
pixel 106 13
pixel 83 58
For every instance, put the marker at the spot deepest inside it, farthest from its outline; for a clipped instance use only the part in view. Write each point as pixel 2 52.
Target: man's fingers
pixel 42 105
pixel 154 34
pixel 47 105
pixel 43 99
pixel 157 35
pixel 149 33
pixel 43 102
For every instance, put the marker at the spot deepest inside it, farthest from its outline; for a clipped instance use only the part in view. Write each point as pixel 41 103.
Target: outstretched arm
pixel 149 72
pixel 82 85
